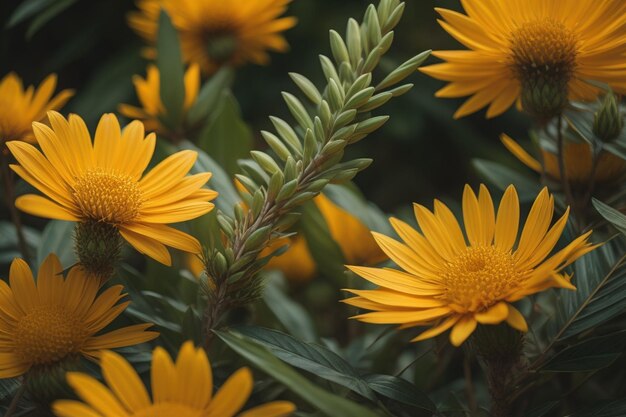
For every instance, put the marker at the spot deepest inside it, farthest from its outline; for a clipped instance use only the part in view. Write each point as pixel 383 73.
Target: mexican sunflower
pixel 179 389
pixel 152 108
pixel 55 319
pixel 578 158
pixel 104 182
pixel 214 33
pixel 456 280
pixel 543 52
pixel 19 108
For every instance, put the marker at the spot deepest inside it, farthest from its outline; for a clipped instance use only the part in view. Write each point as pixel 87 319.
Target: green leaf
pixel 58 238
pixel 310 357
pixel 107 87
pixel 502 176
pixel 604 409
pixel 599 277
pixel 292 315
pixel 348 198
pixel 227 138
pixel 542 410
pixel 27 9
pixel 209 96
pixel 220 181
pixel 324 250
pixel 171 70
pixel 400 390
pixel 588 355
pixel 330 404
pixel 611 215
pixel 44 17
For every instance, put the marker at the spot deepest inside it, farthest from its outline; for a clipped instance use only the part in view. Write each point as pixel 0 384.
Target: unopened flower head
pixel 20 107
pixel 179 389
pixel 540 53
pixel 452 280
pixel 214 33
pixel 46 322
pixel 103 183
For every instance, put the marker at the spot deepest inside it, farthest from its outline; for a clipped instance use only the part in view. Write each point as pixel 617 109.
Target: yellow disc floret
pixel 107 196
pixel 48 334
pixel 479 277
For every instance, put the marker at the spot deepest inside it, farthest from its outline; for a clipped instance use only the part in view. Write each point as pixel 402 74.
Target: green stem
pixel 569 197
pixel 9 195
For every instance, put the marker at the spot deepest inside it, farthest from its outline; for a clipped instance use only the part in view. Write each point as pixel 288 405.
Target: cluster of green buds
pixel 608 121
pixel 306 156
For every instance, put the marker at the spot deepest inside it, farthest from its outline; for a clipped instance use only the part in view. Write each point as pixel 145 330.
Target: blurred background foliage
pixel 421 154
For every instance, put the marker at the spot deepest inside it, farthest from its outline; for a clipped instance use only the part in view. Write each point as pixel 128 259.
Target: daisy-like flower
pixel 578 158
pixel 56 319
pixel 540 51
pixel 214 33
pixel 19 108
pixel 452 280
pixel 104 183
pixel 149 94
pixel 180 389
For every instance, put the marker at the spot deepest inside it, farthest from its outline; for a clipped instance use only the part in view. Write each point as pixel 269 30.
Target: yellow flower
pixel 44 323
pixel 149 94
pixel 296 263
pixel 19 108
pixel 578 160
pixel 216 32
pixel 545 47
pixel 352 236
pixel 103 182
pixel 180 389
pixel 453 282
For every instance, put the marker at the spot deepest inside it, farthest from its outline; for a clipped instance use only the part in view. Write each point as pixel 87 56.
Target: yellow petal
pixel 462 330
pixel 494 314
pixel 147 246
pixel 67 408
pixel 232 395
pixel 516 320
pixel 507 221
pixel 124 381
pixel 437 330
pixel 273 409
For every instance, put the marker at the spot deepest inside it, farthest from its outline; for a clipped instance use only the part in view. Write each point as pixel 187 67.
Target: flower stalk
pixel 9 196
pixel 308 156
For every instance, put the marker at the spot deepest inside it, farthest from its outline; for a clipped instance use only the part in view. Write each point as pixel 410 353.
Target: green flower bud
pixel 608 122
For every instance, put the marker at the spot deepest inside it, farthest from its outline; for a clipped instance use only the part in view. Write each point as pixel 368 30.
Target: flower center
pixel 168 410
pixel 48 334
pixel 221 45
pixel 480 277
pixel 107 196
pixel 543 48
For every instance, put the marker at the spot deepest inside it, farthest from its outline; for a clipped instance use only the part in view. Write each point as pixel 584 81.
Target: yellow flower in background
pixel 549 48
pixel 19 108
pixel 179 389
pixel 214 33
pixel 353 237
pixel 104 182
pixel 578 162
pixel 55 319
pixel 149 93
pixel 296 263
pixel 455 280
